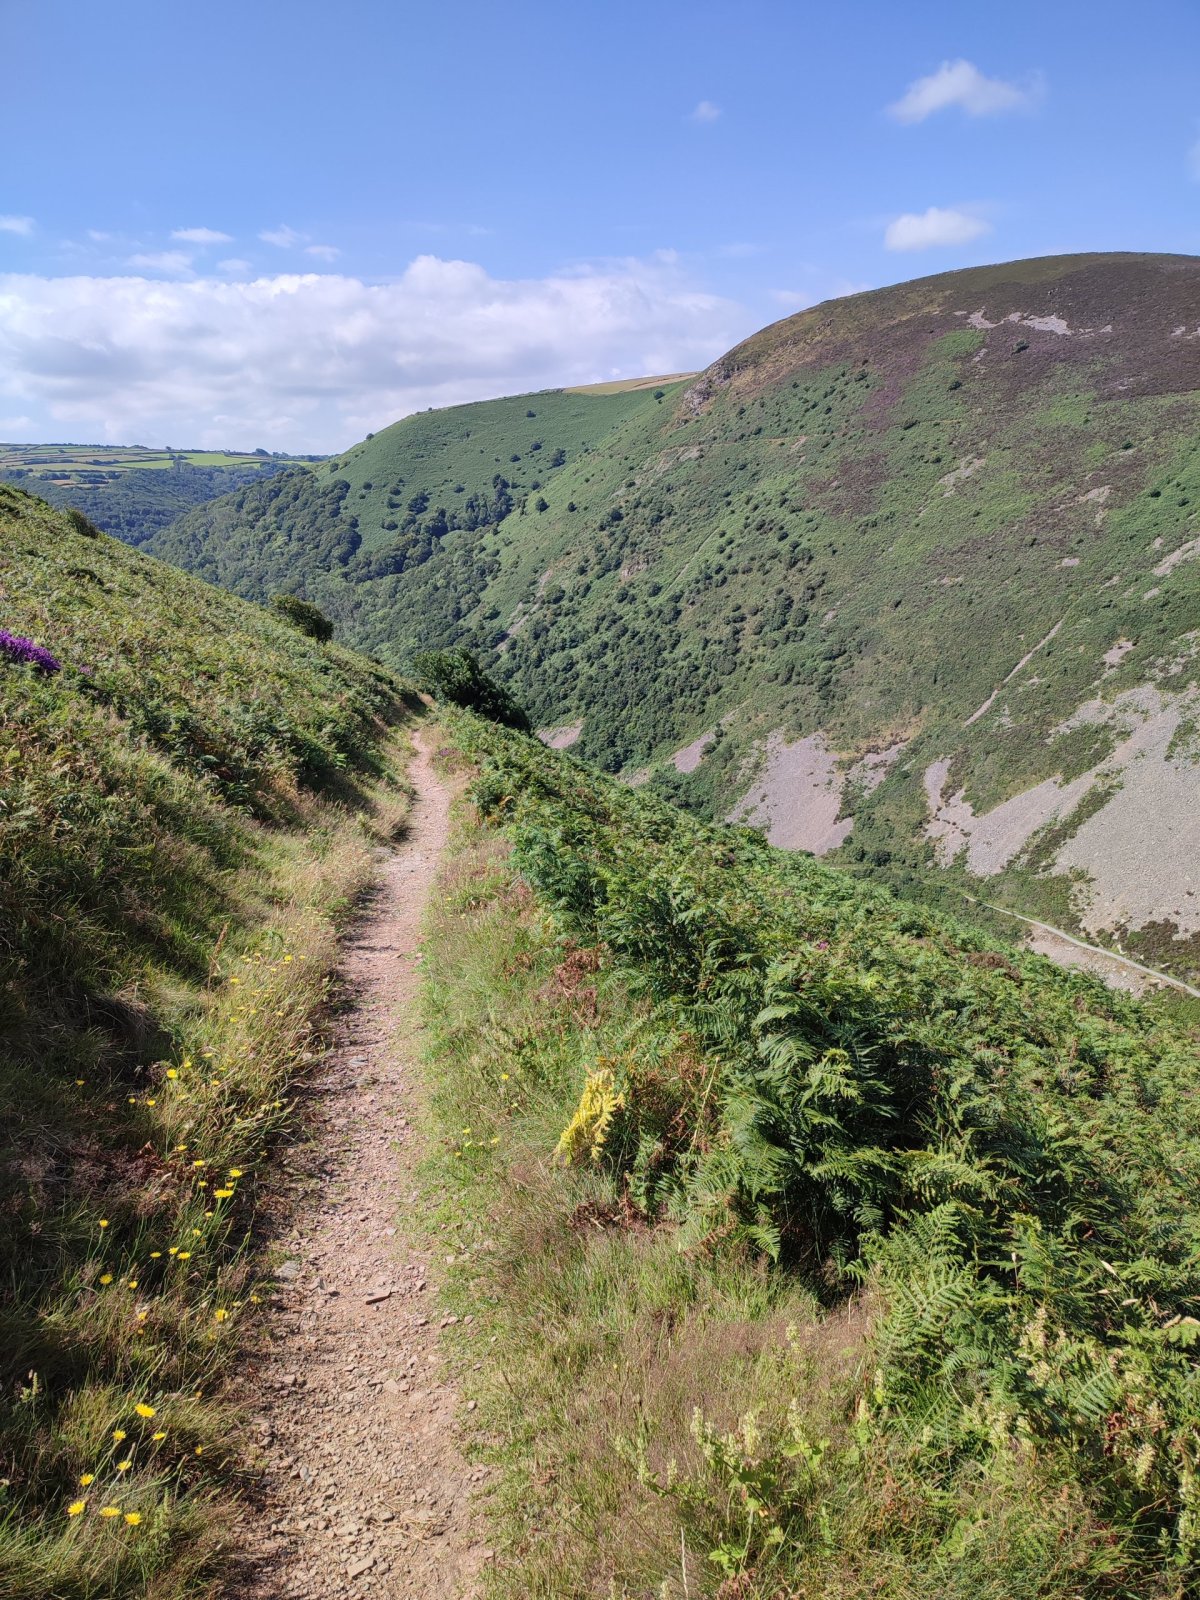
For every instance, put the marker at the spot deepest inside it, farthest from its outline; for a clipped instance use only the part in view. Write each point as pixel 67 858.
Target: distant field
pixel 629 385
pixel 69 463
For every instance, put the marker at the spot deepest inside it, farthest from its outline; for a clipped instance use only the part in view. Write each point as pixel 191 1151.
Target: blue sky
pixel 284 224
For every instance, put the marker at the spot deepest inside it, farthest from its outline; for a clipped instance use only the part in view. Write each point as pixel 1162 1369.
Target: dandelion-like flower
pixel 76 1506
pixel 110 1511
pixel 220 1314
pixel 106 1277
pixel 124 1466
pixel 118 1435
pixel 144 1410
pixel 86 1478
pixel 133 1518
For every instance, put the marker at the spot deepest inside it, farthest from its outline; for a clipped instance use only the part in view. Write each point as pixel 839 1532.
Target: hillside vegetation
pixel 190 793
pixel 129 491
pixel 830 1247
pixel 911 575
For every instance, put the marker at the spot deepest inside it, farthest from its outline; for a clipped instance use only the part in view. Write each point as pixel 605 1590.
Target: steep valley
pixel 910 578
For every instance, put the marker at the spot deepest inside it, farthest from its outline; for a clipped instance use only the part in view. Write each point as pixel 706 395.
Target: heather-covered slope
pixel 911 575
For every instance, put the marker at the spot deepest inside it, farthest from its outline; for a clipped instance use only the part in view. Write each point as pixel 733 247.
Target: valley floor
pixel 365 1491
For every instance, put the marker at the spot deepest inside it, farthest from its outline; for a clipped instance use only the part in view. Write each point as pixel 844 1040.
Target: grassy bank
pixel 814 1245
pixel 190 795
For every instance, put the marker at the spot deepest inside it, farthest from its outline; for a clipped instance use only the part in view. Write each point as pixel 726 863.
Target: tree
pixel 456 675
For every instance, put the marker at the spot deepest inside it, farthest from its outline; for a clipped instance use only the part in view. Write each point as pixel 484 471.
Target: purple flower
pixel 24 650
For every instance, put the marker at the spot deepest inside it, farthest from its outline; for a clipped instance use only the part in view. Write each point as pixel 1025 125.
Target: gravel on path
pixel 365 1492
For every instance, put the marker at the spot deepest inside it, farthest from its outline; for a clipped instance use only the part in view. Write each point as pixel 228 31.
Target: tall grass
pixel 183 828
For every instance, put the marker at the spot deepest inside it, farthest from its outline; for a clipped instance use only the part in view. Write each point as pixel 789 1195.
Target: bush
pixel 304 615
pixel 456 675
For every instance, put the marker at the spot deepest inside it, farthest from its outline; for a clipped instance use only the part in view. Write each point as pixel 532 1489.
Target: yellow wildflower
pixel 222 1194
pixel 155 1254
pixel 158 1437
pixel 103 1223
pixel 183 1255
pixel 133 1283
pixel 220 1314
pixel 110 1511
pixel 124 1466
pixel 144 1410
pixel 172 1072
pixel 235 1172
pixel 133 1518
pixel 88 1477
pixel 76 1507
pixel 106 1277
pixel 118 1435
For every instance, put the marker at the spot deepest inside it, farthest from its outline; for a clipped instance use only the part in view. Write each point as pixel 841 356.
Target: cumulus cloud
pixel 22 225
pixel 706 112
pixel 201 236
pixel 927 230
pixel 174 261
pixel 283 237
pixel 311 361
pixel 960 83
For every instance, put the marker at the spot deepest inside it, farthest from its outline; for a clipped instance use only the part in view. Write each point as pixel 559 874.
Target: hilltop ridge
pixel 909 576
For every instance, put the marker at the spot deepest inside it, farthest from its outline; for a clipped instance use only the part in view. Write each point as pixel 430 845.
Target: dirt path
pixel 1059 946
pixel 365 1491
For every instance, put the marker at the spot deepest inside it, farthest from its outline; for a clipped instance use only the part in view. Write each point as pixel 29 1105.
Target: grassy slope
pixel 882 1281
pixel 184 813
pixel 776 545
pixel 348 536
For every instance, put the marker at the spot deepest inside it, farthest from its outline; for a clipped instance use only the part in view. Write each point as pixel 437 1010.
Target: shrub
pixel 304 615
pixel 456 675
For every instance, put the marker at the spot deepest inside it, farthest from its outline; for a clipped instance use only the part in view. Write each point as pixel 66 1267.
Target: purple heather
pixel 24 650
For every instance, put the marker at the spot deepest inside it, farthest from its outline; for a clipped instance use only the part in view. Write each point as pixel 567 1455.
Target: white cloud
pixel 706 112
pixel 283 237
pixel 324 252
pixel 98 236
pixel 21 225
pixel 201 236
pixel 235 267
pixel 933 228
pixel 960 83
pixel 175 261
pixel 310 361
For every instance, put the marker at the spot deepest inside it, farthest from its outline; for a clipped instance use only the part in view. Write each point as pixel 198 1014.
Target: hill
pixel 127 490
pixel 186 812
pixel 910 576
pixel 355 531
pixel 828 1247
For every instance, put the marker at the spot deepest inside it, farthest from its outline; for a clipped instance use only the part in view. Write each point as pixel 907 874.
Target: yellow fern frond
pixel 583 1137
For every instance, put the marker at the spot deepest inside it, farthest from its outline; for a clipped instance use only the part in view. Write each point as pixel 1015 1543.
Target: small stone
pixel 378 1295
pixel 361 1565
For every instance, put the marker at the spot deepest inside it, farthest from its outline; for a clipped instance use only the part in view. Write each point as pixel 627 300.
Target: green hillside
pixel 356 530
pixel 191 793
pixel 831 1248
pixel 127 490
pixel 921 558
